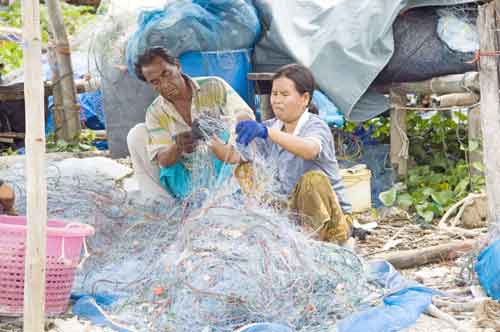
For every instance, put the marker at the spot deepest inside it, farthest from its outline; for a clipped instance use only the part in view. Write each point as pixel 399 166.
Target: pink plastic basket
pixel 64 244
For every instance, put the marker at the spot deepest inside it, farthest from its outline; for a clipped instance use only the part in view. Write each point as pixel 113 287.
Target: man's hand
pixel 223 152
pixel 242 116
pixel 185 142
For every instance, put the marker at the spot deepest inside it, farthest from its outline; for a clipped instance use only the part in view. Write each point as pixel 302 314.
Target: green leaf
pixel 85 147
pixel 405 200
pixel 424 212
pixel 62 145
pixel 473 145
pixel 388 198
pixel 444 186
pixel 437 209
pixel 461 186
pixel 479 166
pixel 461 116
pixel 427 192
pixel 442 198
pixel 417 197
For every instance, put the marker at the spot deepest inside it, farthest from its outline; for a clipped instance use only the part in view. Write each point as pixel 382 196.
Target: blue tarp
pixel 400 309
pixel 406 301
pixel 195 25
pixel 488 270
pixel 91 107
pixel 328 111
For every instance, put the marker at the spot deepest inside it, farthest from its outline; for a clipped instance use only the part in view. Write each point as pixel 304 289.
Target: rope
pixel 450 108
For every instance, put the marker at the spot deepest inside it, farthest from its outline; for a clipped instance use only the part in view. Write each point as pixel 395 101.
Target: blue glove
pixel 248 130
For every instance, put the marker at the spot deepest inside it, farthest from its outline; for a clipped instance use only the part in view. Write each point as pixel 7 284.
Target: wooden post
pixel 71 116
pixel 474 133
pixel 408 259
pixel 399 140
pixel 466 82
pixel 458 99
pixel 490 107
pixel 34 280
pixel 266 111
pixel 60 130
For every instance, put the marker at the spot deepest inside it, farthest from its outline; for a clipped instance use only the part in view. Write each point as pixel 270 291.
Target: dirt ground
pixel 397 232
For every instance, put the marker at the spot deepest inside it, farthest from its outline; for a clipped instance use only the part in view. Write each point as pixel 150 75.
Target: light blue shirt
pixel 289 167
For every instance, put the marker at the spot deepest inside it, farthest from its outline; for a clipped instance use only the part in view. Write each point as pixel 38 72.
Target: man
pixel 160 147
pixel 7 199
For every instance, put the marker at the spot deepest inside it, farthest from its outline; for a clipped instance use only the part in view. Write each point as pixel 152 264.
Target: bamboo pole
pixel 467 82
pixel 458 99
pixel 34 281
pixel 490 107
pixel 11 31
pixel 71 113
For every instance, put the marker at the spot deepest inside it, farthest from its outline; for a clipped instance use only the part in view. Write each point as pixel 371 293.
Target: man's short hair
pixel 148 56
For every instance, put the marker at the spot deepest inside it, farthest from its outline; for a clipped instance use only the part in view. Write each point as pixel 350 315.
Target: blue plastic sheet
pixel 91 106
pixel 195 25
pixel 91 111
pixel 88 308
pixel 232 66
pixel 399 310
pixel 328 111
pixel 488 270
pixel 265 327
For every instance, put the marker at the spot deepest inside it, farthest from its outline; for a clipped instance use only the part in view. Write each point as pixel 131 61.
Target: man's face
pixel 164 77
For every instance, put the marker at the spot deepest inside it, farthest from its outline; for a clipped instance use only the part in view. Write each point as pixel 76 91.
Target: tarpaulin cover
pixel 195 25
pixel 345 43
pixel 488 270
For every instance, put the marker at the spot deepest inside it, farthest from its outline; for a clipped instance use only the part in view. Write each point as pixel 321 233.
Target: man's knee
pixel 137 137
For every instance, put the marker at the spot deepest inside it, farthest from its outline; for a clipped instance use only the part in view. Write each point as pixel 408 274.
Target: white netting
pixel 216 261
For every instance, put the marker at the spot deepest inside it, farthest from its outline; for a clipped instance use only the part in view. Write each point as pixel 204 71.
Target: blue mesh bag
pixel 195 25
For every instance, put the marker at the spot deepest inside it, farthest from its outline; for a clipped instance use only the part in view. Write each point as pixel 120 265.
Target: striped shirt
pixel 211 95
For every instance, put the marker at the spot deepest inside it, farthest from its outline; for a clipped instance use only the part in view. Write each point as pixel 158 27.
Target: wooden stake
pixel 474 132
pixel 399 140
pixel 412 258
pixel 71 117
pixel 490 107
pixel 60 130
pixel 34 281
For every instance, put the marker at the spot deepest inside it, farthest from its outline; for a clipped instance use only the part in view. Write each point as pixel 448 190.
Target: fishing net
pixel 214 262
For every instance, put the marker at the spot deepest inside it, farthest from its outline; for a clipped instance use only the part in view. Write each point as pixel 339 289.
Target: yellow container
pixel 358 189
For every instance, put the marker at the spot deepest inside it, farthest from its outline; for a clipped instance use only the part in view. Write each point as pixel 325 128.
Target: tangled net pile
pixel 215 262
pixel 232 266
